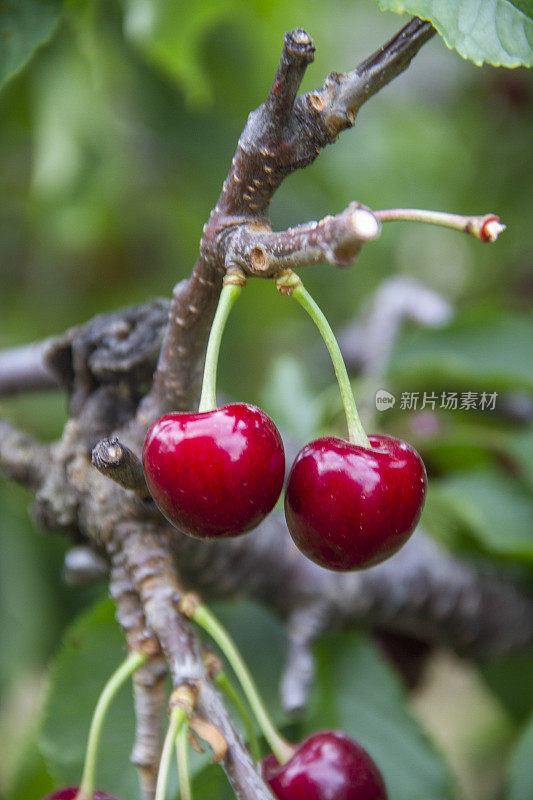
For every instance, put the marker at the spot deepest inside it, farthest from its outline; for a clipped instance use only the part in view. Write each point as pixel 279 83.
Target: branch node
pixel 183 697
pixel 188 603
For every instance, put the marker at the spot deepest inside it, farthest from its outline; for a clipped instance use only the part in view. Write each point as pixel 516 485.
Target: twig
pixel 343 95
pixel 116 461
pixel 334 239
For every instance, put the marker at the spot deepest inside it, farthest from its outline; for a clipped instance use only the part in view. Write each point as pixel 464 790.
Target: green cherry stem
pixel 233 284
pixel 289 283
pixel 117 679
pixel 178 720
pixel 486 228
pixel 226 686
pixel 211 625
pixel 182 753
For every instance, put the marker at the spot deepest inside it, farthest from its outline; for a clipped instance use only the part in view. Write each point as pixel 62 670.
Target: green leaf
pixel 25 25
pixel 494 31
pixel 31 778
pixel 92 649
pixel 519 446
pixel 357 692
pixel 509 678
pixel 171 37
pixel 526 6
pixel 521 772
pixel 482 349
pixel 488 506
pixel 211 782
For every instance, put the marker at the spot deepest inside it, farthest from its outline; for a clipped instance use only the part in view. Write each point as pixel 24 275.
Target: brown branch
pixel 177 379
pixel 284 134
pixel 298 51
pixel 334 239
pixel 145 556
pixel 116 461
pixel 343 95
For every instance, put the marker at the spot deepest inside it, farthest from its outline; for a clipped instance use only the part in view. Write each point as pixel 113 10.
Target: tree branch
pixel 23 369
pixel 116 461
pixel 335 240
pixel 343 95
pixel 284 134
pixel 145 556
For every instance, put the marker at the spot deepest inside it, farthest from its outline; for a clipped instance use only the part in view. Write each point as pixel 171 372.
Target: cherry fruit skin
pixel 327 766
pixel 215 473
pixel 349 507
pixel 70 792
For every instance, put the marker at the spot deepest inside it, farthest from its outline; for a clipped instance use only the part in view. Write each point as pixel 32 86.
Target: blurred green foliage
pixel 114 142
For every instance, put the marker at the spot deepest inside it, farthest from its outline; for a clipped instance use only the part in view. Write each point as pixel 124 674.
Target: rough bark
pixel 107 366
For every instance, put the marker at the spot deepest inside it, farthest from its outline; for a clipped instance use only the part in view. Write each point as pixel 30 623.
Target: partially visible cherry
pixel 70 792
pixel 216 473
pixel 329 765
pixel 349 507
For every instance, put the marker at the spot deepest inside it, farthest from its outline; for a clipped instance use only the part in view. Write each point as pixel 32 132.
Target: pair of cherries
pixel 218 474
pixel 326 766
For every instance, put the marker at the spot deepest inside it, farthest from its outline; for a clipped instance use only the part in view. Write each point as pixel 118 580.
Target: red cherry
pixel 216 473
pixel 70 793
pixel 326 766
pixel 350 507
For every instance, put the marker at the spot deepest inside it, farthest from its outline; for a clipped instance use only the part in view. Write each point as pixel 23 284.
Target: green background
pixel 115 137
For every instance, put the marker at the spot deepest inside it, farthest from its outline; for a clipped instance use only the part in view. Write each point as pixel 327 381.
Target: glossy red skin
pixel 326 766
pixel 350 507
pixel 216 473
pixel 70 792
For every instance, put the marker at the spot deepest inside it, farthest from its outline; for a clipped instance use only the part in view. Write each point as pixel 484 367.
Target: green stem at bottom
pixel 182 752
pixel 117 679
pixel 178 720
pixel 207 620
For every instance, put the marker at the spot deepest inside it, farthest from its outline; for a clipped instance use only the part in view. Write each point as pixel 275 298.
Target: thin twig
pixel 116 461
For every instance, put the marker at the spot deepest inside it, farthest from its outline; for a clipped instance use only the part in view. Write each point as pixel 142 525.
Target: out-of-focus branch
pixel 24 369
pixel 367 343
